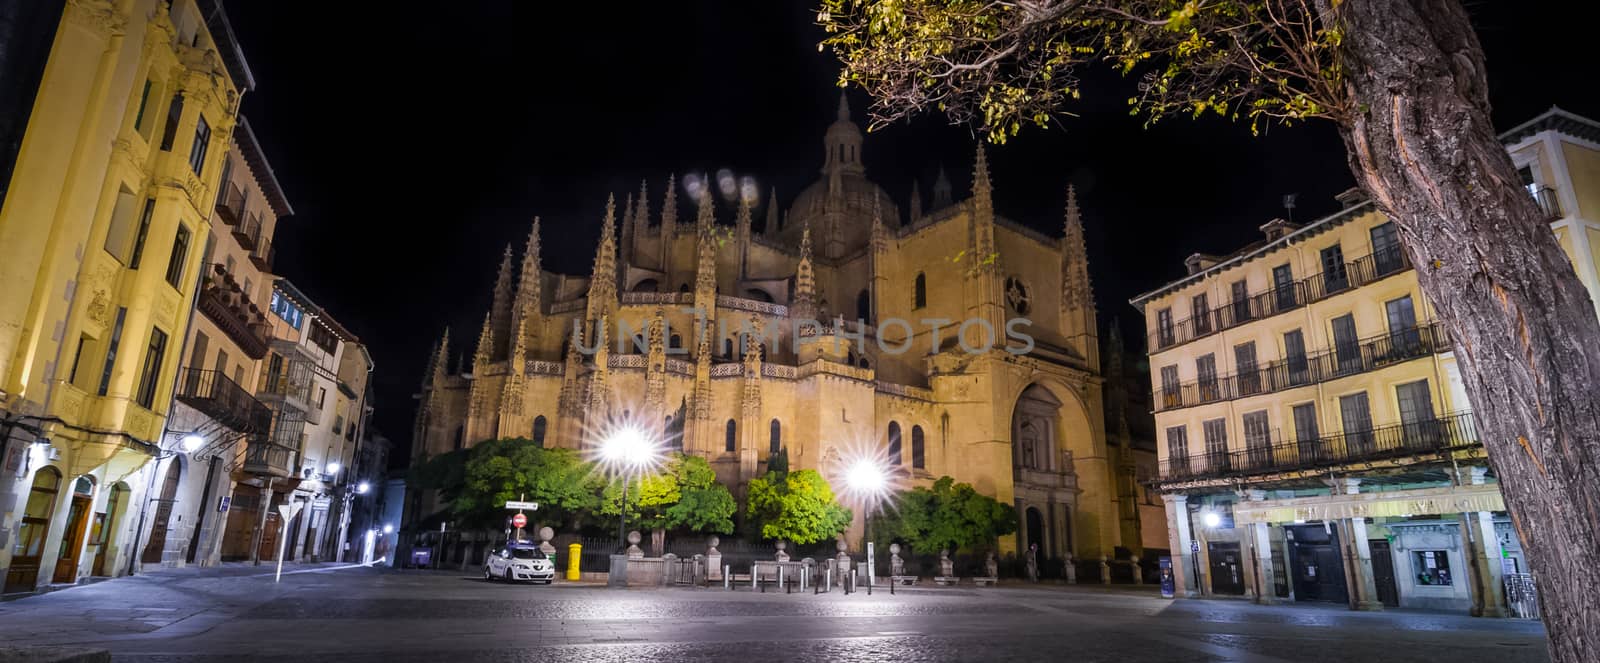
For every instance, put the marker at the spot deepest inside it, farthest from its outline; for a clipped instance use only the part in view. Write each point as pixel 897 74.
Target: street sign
pixel 1194 545
pixel 530 506
pixel 519 521
pixel 286 513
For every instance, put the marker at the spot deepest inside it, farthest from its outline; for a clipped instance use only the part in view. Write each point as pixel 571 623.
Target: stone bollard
pixel 1138 571
pixel 545 534
pixel 713 559
pixel 842 560
pixel 633 546
pixel 1070 570
pixel 669 569
pixel 574 556
pixel 1105 570
pixel 782 555
pixel 947 568
pixel 897 566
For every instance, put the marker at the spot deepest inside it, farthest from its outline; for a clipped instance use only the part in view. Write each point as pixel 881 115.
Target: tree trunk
pixel 1526 336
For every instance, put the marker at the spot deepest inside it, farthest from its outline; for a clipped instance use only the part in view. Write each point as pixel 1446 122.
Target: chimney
pixel 1351 197
pixel 1276 229
pixel 1199 262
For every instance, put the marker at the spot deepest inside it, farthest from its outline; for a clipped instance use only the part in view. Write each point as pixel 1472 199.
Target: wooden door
pixel 23 574
pixel 158 530
pixel 113 518
pixel 72 541
pixel 1383 573
pixel 1227 568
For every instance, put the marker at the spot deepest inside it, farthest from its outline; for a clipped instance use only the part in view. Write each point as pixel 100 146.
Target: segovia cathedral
pixel 911 360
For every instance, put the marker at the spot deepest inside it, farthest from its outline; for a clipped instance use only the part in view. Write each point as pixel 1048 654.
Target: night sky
pixel 415 140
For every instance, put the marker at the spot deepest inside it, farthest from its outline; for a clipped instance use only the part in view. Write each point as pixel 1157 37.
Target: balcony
pixel 1432 436
pixel 291 382
pixel 1364 355
pixel 230 205
pixel 229 306
pixel 1348 276
pixel 1545 198
pixel 248 232
pixel 261 255
pixel 222 399
pixel 267 459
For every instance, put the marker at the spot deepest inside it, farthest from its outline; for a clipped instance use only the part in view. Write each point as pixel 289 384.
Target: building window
pixel 1305 431
pixel 1244 365
pixel 730 440
pixel 460 436
pixel 1178 448
pixel 202 141
pixel 1164 335
pixel 1200 314
pixel 1016 294
pixel 776 442
pixel 919 291
pixel 1416 415
pixel 174 113
pixel 1357 419
pixel 894 443
pixel 151 375
pixel 144 103
pixel 539 427
pixel 1346 347
pixel 77 357
pixel 1257 438
pixel 1216 432
pixel 1334 276
pixel 1404 336
pixel 864 307
pixel 1283 287
pixel 1294 353
pixel 919 449
pixel 144 231
pixel 111 350
pixel 1431 566
pixel 1386 253
pixel 1206 377
pixel 1170 396
pixel 285 309
pixel 180 255
pixel 1241 302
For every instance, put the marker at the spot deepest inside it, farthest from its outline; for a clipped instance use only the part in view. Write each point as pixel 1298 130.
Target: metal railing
pixel 263 457
pixel 230 205
pixel 1340 361
pixel 261 255
pixel 1329 282
pixel 214 394
pixel 1387 442
pixel 1545 198
pixel 248 232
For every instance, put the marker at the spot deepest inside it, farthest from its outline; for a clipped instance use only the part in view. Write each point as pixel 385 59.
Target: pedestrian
pixel 1033 562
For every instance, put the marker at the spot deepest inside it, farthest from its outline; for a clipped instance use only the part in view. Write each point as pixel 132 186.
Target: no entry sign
pixel 519 520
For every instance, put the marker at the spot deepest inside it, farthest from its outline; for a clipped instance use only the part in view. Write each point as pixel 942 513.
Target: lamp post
pixel 868 481
pixel 627 452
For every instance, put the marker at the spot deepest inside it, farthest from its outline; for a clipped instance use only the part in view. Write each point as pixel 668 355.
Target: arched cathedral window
pixel 731 442
pixel 539 426
pixel 894 443
pixel 919 296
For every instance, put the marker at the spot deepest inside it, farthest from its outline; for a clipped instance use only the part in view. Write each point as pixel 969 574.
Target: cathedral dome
pixel 843 188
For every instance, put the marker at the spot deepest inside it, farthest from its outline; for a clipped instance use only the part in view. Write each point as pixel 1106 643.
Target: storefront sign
pixel 1426 502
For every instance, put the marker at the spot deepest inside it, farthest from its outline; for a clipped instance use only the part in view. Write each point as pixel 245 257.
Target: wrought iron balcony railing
pixel 1545 198
pixel 230 204
pixel 1353 274
pixel 1430 436
pixel 1359 357
pixel 265 458
pixel 218 397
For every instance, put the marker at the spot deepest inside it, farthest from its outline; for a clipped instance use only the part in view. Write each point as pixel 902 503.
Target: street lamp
pixel 1211 519
pixel 192 442
pixel 627 451
pixel 363 487
pixel 333 467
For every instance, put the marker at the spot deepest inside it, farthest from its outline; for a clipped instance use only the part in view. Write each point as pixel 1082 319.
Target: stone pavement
pixel 362 614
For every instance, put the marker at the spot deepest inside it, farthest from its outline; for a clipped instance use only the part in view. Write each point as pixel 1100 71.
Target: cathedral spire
pixel 629 223
pixel 743 231
pixel 880 233
pixel 942 194
pixel 484 354
pixel 603 282
pixel 771 227
pixel 441 360
pixel 500 311
pixel 1076 290
pixel 669 207
pixel 669 229
pixel 529 281
pixel 982 234
pixel 705 276
pixel 844 107
pixel 805 280
pixel 641 224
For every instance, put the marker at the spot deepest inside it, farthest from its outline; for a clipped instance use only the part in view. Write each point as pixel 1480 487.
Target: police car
pixel 519 561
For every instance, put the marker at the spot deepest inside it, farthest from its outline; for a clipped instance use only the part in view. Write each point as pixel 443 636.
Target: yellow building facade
pixel 908 359
pixel 101 241
pixel 1316 442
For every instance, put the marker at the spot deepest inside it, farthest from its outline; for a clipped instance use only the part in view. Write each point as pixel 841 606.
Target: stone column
pixel 1179 542
pixel 1482 553
pixel 1356 552
pixel 1258 545
pixel 261 523
pixel 713 558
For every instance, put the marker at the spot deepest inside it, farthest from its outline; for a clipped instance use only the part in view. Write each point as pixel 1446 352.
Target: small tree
pixel 795 506
pixel 950 515
pixel 497 471
pixel 685 495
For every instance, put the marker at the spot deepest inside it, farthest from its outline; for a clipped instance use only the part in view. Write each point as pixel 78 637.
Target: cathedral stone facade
pixel 898 366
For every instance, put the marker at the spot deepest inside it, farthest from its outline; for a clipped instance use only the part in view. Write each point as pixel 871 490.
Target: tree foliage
pixel 1006 64
pixel 949 515
pixel 685 495
pixel 795 506
pixel 497 471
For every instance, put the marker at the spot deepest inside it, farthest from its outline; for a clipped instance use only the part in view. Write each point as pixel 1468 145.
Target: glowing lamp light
pixel 192 442
pixel 866 477
pixel 363 487
pixel 627 447
pixel 1211 519
pixel 388 529
pixel 333 467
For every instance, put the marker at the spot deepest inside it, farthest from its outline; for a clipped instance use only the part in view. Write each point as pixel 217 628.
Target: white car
pixel 517 562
